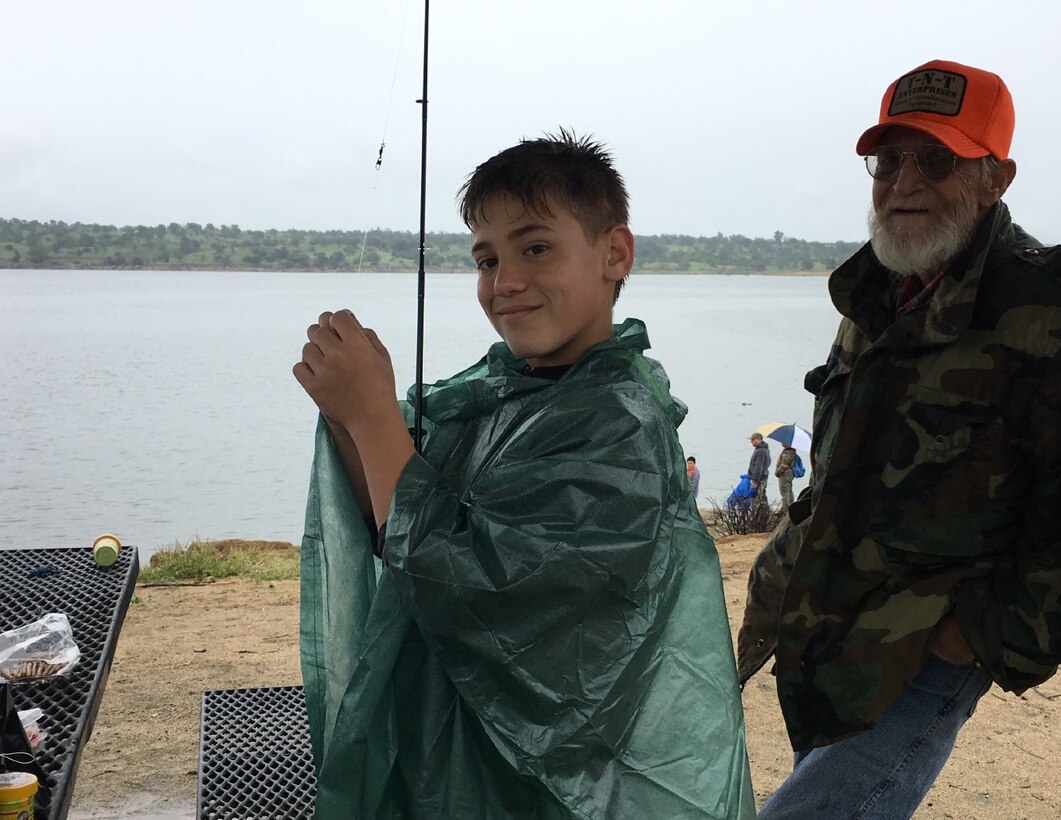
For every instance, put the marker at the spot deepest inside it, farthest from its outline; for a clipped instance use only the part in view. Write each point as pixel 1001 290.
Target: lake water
pixel 160 406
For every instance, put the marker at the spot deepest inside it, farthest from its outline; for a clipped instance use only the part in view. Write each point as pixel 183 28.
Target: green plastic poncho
pixel 549 638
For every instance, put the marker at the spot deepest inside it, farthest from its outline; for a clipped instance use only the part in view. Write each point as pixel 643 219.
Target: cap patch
pixel 929 90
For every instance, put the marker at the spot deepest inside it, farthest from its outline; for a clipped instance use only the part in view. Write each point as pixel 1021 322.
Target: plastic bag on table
pixel 38 650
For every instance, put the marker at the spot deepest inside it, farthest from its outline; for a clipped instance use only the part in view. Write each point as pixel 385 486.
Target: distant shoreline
pixel 58 245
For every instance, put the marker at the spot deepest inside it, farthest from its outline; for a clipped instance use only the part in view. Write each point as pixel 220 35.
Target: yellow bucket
pixel 16 795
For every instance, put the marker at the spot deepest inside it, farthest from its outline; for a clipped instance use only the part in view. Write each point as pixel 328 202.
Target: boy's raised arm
pixel 347 372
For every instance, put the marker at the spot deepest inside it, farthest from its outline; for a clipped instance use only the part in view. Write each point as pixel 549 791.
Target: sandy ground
pixel 142 759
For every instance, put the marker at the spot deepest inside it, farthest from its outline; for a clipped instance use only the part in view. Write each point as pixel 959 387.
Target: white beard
pixel 909 253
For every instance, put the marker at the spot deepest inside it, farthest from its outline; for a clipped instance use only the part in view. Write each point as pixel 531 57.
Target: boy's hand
pixel 347 371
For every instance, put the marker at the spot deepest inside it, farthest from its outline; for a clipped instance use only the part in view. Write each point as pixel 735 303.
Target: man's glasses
pixel 933 161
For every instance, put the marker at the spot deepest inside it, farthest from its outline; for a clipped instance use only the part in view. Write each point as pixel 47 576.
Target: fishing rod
pixel 421 276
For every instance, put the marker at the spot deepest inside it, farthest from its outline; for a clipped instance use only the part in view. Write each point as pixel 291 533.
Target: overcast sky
pixel 732 117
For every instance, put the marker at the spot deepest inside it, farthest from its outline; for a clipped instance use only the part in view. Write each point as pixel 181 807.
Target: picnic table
pixel 35 582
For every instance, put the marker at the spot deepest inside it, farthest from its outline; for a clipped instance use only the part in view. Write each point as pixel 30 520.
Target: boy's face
pixel 546 288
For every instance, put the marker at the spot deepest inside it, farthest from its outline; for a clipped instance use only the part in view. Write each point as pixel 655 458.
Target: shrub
pixel 743 519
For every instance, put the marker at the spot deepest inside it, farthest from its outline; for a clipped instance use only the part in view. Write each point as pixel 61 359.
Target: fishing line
pixel 421 277
pixel 386 120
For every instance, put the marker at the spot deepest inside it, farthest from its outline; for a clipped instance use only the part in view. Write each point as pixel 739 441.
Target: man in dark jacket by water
pixel 923 563
pixel 759 466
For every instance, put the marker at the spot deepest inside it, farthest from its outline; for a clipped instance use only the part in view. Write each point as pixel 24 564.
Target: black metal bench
pixel 255 759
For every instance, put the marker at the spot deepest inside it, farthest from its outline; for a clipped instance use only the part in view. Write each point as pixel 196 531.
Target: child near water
pixel 546 635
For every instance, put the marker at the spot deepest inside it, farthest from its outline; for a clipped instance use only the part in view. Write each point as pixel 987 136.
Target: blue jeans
pixel 884 774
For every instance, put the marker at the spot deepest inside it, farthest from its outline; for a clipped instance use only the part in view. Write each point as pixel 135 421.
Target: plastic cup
pixel 105 549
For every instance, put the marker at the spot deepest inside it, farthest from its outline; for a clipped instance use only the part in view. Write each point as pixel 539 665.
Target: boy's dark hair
pixel 575 172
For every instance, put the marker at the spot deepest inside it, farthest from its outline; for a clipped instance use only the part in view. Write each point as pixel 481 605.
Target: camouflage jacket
pixel 784 462
pixel 935 488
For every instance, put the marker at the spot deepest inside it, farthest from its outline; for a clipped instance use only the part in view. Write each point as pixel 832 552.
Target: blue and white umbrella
pixel 791 435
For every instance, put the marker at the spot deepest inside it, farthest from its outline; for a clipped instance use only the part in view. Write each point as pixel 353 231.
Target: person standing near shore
pixel 783 471
pixel 692 472
pixel 759 467
pixel 923 563
pixel 546 633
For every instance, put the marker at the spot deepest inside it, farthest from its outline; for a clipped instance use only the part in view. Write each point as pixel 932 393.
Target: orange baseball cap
pixel 967 109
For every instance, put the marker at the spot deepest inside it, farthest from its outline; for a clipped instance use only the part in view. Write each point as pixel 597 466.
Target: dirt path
pixel 142 759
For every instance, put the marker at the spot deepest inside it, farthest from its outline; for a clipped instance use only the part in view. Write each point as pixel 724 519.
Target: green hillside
pixel 58 245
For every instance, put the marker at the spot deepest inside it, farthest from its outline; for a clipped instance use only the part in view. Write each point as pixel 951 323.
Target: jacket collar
pixel 863 290
pixel 630 335
pixel 499 376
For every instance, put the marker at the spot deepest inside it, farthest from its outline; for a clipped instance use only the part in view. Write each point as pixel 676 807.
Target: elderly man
pixel 924 561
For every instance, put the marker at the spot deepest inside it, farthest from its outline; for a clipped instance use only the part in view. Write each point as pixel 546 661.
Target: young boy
pixel 547 634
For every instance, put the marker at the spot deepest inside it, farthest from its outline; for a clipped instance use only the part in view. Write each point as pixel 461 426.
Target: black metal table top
pixel 255 758
pixel 95 601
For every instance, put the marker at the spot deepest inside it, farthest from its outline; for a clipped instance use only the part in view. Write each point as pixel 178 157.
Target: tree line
pixel 59 245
